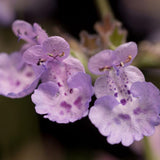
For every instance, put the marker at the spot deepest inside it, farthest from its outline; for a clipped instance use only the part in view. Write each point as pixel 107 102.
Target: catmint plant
pixel 127 107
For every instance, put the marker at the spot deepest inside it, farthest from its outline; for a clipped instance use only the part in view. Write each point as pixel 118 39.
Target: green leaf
pixel 117 36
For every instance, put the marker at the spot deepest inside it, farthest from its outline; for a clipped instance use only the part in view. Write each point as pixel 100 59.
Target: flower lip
pixel 53 48
pixel 102 61
pixel 126 53
pixel 64 100
pixel 139 118
pixel 107 59
pixel 56 47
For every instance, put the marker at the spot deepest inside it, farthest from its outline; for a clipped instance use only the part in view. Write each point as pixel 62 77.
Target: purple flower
pixel 127 108
pixel 53 48
pixel 65 91
pixel 17 78
pixel 31 34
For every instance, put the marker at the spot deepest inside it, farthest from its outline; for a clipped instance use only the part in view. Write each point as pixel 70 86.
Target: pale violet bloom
pixel 17 78
pixel 65 91
pixel 127 108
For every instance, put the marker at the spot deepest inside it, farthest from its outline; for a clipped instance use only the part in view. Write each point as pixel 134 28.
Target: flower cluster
pixel 127 107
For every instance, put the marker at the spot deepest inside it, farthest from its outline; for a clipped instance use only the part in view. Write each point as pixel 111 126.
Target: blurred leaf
pixel 111 32
pixel 117 37
pixel 149 54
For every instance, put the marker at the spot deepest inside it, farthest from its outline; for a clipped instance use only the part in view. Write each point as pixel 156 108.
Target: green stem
pixel 104 8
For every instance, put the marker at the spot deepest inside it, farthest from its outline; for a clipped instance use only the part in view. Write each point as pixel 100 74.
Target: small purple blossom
pixel 31 34
pixel 127 107
pixel 53 48
pixel 65 91
pixel 17 78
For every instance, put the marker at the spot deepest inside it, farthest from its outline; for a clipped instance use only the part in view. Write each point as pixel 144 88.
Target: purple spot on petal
pixel 137 111
pixel 59 84
pixel 123 101
pixel 71 91
pixel 18 83
pixel 29 74
pixel 116 94
pixel 77 102
pixel 124 116
pixel 129 92
pixel 65 94
pixel 66 106
pixel 117 121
